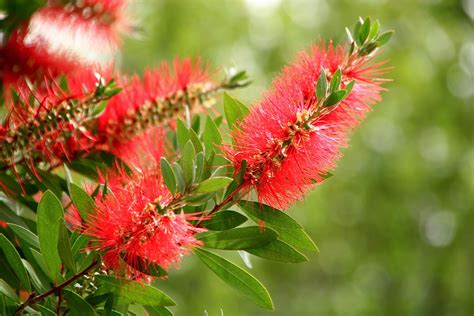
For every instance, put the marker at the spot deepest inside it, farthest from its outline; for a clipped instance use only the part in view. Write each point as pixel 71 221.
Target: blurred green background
pixel 395 225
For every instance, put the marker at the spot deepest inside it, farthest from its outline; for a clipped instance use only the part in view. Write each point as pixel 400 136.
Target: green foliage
pixel 237 278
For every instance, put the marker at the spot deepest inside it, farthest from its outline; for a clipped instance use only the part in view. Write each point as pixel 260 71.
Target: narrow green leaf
pixel 213 184
pixel 224 220
pixel 182 133
pixel 200 162
pixel 364 30
pixel 349 87
pixel 357 32
pixel 238 238
pixel 322 85
pixel 64 247
pixel 98 109
pixel 335 81
pixel 211 137
pixel 14 260
pixel 335 97
pixel 234 110
pixel 50 215
pixel 39 285
pixel 7 290
pixel 187 162
pixel 179 176
pixel 168 175
pixel 194 138
pixel 25 235
pixel 82 200
pixel 77 305
pixel 158 311
pixel 279 251
pixel 384 38
pixel 137 292
pixel 236 277
pixel 374 30
pixel 196 124
pixel 261 212
pixel 297 238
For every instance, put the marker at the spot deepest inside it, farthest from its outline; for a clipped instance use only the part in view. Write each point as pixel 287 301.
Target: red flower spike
pixel 290 140
pixel 156 100
pixel 131 225
pixel 59 40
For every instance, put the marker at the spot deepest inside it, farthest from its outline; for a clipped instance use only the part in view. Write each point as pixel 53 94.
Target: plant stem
pixel 33 298
pixel 224 202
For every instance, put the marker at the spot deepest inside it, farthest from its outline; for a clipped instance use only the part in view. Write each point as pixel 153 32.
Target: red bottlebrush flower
pixel 63 39
pixel 289 140
pixel 3 224
pixel 132 225
pixel 159 98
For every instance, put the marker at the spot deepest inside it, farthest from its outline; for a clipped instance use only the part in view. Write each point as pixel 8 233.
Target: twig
pixel 33 298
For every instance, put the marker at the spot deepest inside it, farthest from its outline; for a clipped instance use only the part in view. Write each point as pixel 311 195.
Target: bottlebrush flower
pixel 291 139
pixel 62 39
pixel 135 225
pixel 158 99
pixel 49 126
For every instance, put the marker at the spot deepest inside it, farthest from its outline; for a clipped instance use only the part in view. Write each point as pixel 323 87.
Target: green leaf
pixel 322 85
pixel 50 216
pixel 238 238
pixel 82 200
pixel 25 235
pixel 236 277
pixel 158 311
pixel 194 138
pixel 349 87
pixel 64 247
pixel 224 220
pixel 200 162
pixel 211 137
pixel 196 124
pixel 14 260
pixel 384 38
pixel 7 290
pixel 364 30
pixel 168 175
pixel 234 110
pixel 213 184
pixel 279 251
pixel 179 176
pixel 182 133
pixel 77 305
pixel 335 97
pixel 357 32
pixel 98 109
pixel 38 284
pixel 335 81
pixel 269 215
pixel 137 292
pixel 374 29
pixel 187 162
pixel 297 238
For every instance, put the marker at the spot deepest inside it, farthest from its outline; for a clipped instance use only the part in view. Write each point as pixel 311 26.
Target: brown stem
pixel 33 298
pixel 60 300
pixel 224 202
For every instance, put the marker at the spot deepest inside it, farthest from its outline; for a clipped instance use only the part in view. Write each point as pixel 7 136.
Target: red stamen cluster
pixel 158 99
pixel 61 39
pixel 134 225
pixel 289 139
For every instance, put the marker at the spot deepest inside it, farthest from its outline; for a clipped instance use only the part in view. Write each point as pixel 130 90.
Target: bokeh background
pixel 395 225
